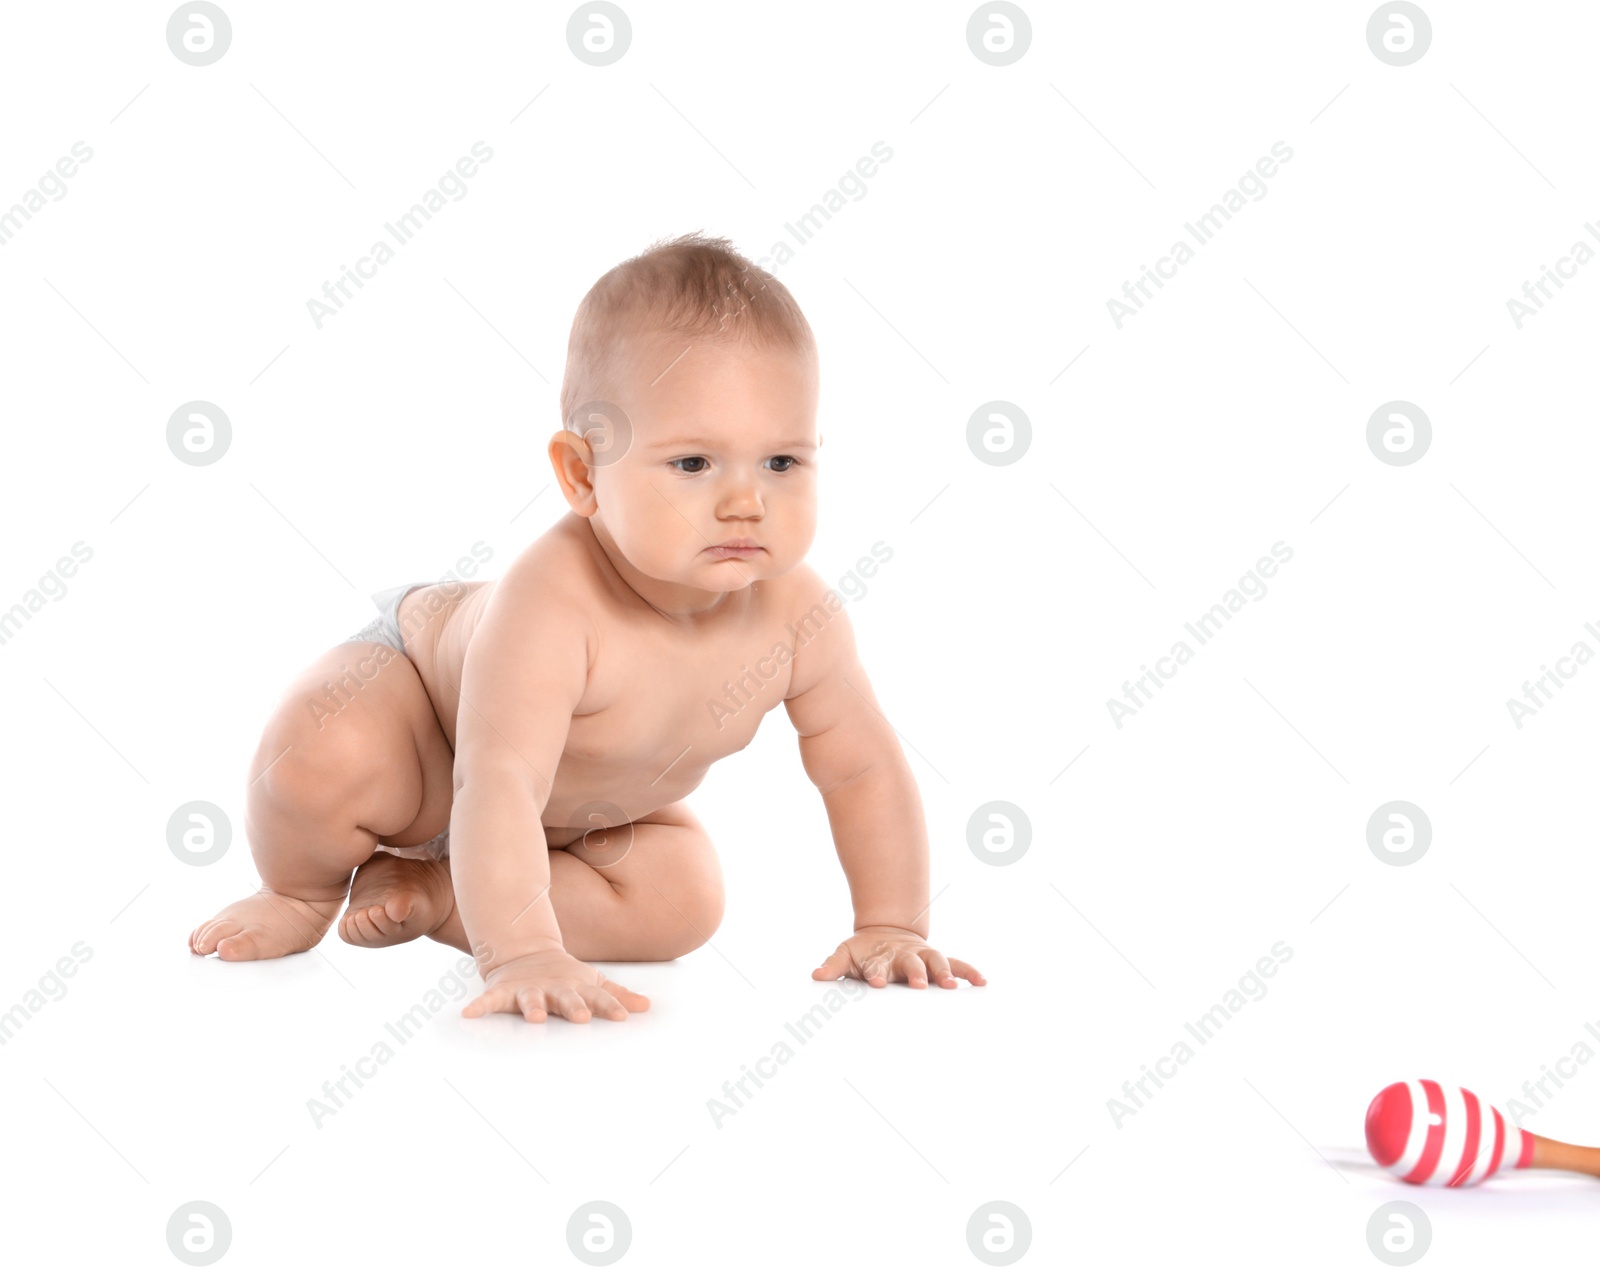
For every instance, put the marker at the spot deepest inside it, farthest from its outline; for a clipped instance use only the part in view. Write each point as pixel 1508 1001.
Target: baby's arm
pixel 524 674
pixel 853 756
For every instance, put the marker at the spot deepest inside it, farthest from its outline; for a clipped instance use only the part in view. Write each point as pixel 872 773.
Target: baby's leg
pixel 661 899
pixel 394 900
pixel 334 774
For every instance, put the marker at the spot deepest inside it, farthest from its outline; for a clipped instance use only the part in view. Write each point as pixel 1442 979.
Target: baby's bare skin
pixel 642 735
pixel 593 686
pixel 633 743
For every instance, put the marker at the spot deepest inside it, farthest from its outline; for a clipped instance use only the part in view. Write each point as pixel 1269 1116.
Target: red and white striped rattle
pixel 1429 1134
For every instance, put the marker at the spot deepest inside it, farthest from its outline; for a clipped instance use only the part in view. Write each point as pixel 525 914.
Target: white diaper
pixel 436 848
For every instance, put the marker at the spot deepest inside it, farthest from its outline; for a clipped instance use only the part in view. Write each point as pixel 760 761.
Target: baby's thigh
pixel 355 736
pixel 667 853
pixel 650 890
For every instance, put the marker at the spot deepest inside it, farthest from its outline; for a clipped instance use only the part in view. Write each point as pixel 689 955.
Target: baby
pixel 584 695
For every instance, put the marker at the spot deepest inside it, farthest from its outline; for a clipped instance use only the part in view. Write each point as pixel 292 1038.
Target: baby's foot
pixel 395 900
pixel 265 925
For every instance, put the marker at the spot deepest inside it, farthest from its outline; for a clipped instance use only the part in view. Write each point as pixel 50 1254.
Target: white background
pixel 1229 814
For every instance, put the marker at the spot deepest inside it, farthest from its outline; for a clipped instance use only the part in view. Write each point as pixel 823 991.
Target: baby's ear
pixel 570 456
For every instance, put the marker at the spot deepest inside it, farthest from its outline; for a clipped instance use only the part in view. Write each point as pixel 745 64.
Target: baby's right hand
pixel 543 983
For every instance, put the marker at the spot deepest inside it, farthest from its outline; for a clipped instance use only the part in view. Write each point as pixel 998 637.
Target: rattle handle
pixel 1568 1158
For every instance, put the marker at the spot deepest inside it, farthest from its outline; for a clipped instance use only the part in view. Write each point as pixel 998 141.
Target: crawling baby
pixel 584 695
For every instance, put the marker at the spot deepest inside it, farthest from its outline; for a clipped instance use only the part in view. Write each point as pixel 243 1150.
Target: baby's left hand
pixel 882 954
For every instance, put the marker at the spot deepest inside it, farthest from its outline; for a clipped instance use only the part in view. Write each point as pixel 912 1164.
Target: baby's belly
pixel 590 795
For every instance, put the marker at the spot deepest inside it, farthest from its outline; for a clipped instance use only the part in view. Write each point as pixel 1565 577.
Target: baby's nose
pixel 741 498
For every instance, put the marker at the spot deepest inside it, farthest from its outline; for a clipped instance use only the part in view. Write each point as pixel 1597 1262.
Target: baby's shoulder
pixel 799 591
pixel 817 629
pixel 552 575
pixel 556 562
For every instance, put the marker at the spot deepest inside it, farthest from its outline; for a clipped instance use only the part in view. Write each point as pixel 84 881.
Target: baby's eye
pixel 783 458
pixel 696 459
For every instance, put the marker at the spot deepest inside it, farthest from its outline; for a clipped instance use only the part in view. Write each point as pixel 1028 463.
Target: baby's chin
pixel 723 576
pixel 736 574
pixel 729 576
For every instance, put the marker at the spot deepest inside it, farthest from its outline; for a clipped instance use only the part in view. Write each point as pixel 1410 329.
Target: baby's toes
pixel 397 909
pixel 369 926
pixel 243 945
pixel 207 934
pixel 380 921
pixel 355 926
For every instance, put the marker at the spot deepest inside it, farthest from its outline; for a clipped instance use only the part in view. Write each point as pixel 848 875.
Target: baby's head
pixel 689 412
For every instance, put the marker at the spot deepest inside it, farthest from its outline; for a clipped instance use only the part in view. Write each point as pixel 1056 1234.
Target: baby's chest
pixel 654 707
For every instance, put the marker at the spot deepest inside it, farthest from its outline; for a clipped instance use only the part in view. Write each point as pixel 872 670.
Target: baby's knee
pixel 303 772
pixel 689 914
pixel 289 775
pixel 704 911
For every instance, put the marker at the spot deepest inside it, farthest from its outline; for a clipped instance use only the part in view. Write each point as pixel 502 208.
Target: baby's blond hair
pixel 693 286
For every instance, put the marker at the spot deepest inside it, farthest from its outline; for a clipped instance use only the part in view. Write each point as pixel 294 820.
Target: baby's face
pixel 723 448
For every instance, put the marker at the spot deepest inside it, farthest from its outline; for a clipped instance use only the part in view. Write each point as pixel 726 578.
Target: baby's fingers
pixel 963 970
pixel 528 1001
pixel 602 1004
pixel 836 965
pixel 632 1001
pixel 938 967
pixel 531 1004
pixel 876 967
pixel 909 965
pixel 487 1001
pixel 569 1004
